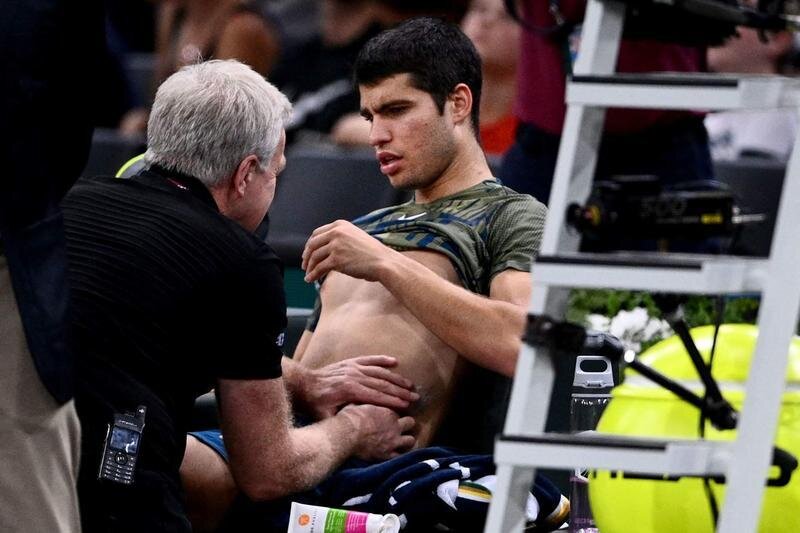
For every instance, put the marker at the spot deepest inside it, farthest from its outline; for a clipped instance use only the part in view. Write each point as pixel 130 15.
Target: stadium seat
pixel 110 151
pixel 320 185
pixel 140 71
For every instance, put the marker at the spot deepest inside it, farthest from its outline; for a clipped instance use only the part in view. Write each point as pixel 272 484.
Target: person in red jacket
pixel 496 37
pixel 670 144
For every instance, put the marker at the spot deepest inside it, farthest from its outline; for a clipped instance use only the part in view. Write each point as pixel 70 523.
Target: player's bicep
pixel 512 286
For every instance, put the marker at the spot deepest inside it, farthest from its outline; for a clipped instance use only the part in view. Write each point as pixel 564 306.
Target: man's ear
pixel 461 101
pixel 243 175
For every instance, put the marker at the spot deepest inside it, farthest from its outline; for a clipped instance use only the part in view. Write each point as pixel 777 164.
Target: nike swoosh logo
pixel 412 217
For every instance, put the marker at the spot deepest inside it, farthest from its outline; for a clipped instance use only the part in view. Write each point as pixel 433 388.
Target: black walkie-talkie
pixel 121 448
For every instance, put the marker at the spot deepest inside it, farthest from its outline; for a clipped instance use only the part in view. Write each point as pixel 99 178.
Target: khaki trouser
pixel 39 440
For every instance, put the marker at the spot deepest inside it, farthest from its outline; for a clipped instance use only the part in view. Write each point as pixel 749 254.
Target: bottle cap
pixel 593 372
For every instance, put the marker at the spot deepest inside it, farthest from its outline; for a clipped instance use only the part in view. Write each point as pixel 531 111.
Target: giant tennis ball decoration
pixel 639 407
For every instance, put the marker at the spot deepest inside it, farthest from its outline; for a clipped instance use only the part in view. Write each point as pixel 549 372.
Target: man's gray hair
pixel 208 117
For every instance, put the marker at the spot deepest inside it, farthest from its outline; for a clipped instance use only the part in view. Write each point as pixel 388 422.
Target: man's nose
pixel 379 133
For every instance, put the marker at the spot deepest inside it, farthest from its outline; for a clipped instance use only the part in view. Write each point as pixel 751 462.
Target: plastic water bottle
pixel 591 390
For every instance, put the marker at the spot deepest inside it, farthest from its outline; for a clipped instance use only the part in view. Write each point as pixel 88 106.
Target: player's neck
pixel 467 169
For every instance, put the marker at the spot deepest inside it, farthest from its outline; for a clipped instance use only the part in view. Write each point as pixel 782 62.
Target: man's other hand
pixel 366 379
pixel 345 248
pixel 382 433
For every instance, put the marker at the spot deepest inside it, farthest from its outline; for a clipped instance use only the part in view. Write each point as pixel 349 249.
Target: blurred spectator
pixel 321 85
pixel 496 37
pixel 670 144
pixel 133 23
pixel 49 60
pixel 452 10
pixel 191 30
pixel 767 133
pixel 165 323
pixel 296 19
pixel 316 75
pixel 116 94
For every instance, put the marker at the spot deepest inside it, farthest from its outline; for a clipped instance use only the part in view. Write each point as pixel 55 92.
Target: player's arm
pixel 270 459
pixel 485 330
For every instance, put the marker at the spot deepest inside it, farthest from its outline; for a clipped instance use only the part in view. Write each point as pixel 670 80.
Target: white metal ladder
pixel 745 461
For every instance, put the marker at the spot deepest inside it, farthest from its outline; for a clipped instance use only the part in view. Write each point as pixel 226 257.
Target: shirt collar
pixel 165 178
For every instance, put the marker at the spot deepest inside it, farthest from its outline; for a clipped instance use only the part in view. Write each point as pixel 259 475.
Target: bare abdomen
pixel 363 318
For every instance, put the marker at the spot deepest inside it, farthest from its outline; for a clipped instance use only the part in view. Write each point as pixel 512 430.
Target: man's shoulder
pixel 522 205
pixel 108 188
pixel 89 183
pixel 139 198
pixel 491 197
pixel 92 195
pixel 163 213
pixel 495 191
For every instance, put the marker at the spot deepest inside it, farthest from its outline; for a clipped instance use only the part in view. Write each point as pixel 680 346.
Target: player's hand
pixel 366 379
pixel 382 433
pixel 345 248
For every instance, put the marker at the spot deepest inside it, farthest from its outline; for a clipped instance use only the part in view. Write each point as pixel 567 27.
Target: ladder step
pixel 674 91
pixel 631 454
pixel 690 274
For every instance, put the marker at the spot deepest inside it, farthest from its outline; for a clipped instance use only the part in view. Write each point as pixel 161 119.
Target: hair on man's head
pixel 208 117
pixel 436 54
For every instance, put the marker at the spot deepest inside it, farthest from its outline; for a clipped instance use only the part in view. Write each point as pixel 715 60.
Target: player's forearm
pixel 483 330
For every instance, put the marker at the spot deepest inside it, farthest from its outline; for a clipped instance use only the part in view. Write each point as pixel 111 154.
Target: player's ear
pixel 460 100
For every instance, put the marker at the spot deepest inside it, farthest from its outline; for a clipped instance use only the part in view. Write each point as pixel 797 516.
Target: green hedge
pixel 698 310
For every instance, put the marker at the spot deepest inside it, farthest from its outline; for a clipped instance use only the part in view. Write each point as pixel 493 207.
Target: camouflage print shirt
pixel 483 230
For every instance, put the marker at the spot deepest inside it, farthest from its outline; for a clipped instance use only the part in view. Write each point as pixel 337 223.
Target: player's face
pixel 414 143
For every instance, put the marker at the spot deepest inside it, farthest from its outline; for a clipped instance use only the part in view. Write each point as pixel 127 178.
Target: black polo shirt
pixel 168 296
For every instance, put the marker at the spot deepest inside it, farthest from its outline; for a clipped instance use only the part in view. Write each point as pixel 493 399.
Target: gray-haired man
pixel 173 295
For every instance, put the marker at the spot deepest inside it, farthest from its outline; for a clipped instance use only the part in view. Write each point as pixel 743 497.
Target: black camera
pixel 706 22
pixel 121 448
pixel 638 207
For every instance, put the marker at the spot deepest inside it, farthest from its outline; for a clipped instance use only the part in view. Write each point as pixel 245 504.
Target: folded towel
pixel 428 489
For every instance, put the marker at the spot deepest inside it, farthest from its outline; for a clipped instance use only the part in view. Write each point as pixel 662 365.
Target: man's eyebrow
pixel 382 108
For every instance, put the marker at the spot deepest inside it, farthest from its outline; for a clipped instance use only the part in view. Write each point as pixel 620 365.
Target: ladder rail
pixel 527 411
pixel 583 125
pixel 750 453
pixel 758 422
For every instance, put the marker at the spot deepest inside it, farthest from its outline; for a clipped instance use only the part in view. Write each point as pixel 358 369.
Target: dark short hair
pixel 436 54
